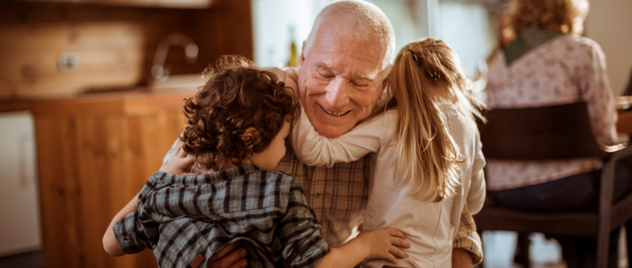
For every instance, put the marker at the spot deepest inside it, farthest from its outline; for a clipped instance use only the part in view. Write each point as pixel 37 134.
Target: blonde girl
pixel 428 162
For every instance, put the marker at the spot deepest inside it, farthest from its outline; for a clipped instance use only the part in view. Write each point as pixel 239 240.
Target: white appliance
pixel 20 224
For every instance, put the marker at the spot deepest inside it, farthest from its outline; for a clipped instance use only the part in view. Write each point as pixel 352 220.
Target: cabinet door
pixel 20 227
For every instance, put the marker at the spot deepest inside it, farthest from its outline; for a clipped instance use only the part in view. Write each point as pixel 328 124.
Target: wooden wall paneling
pixel 141 3
pixel 115 46
pixel 225 29
pixel 110 54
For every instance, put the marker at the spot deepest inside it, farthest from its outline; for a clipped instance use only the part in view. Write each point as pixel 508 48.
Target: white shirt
pixel 429 227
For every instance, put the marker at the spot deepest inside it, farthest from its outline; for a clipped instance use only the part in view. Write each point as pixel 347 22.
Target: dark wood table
pixel 624 122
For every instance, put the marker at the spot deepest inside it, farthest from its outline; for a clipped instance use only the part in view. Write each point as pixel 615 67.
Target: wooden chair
pixel 554 132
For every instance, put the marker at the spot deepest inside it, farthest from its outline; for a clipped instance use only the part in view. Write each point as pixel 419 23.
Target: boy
pixel 237 125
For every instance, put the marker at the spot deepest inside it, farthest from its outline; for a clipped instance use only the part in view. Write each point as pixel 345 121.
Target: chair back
pixel 539 133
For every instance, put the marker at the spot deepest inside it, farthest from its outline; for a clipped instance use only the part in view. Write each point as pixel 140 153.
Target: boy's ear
pixel 249 136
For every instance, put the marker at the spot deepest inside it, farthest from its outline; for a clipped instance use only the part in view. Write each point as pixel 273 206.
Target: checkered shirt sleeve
pixel 130 234
pixel 467 238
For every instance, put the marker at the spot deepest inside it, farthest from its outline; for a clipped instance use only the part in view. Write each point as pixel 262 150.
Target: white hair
pixel 362 21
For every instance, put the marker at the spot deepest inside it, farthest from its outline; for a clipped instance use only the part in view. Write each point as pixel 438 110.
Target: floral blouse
pixel 566 69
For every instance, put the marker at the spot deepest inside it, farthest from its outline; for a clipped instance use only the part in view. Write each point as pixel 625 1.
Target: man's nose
pixel 337 93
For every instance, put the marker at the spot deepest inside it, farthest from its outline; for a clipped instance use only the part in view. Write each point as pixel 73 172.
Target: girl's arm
pixel 314 149
pixel 476 193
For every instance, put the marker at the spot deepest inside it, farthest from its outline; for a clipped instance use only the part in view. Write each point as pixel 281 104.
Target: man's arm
pixel 466 249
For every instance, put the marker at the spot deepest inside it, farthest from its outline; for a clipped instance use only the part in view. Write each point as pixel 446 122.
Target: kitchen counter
pixel 138 102
pixel 95 152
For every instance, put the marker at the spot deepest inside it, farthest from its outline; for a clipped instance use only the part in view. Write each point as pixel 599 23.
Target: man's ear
pixel 385 81
pixel 301 59
pixel 249 136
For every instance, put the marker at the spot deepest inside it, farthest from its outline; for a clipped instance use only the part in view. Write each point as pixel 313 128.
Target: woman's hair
pixel 565 15
pixel 237 96
pixel 426 73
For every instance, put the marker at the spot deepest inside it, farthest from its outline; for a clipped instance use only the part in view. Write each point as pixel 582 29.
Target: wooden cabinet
pixel 95 153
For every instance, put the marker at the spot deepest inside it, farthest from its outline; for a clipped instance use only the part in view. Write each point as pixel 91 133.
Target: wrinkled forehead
pixel 342 53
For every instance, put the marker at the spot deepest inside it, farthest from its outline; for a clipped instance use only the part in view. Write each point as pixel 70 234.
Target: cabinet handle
pixel 26 146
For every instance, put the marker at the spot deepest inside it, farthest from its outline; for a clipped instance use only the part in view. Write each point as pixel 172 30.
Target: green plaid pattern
pixel 180 217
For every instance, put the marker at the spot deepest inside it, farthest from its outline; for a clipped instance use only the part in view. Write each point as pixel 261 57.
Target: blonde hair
pixel 361 20
pixel 565 15
pixel 425 148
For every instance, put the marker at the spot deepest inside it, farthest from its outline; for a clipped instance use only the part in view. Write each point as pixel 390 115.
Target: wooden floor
pixel 33 259
pixel 499 249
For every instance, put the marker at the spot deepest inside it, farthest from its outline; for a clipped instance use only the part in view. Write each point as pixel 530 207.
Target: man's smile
pixel 333 113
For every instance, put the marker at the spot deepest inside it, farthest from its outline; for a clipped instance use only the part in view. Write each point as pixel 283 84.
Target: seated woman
pixel 549 63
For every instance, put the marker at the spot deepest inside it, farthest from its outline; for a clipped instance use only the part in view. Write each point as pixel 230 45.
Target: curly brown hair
pixel 566 15
pixel 238 95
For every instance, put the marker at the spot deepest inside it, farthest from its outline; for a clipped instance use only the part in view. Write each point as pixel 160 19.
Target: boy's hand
pixel 179 163
pixel 230 257
pixel 384 243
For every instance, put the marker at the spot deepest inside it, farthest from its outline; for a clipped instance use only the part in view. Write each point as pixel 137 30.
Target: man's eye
pixel 360 84
pixel 326 74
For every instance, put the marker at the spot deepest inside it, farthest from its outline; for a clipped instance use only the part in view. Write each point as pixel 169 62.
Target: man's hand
pixel 461 259
pixel 179 163
pixel 230 257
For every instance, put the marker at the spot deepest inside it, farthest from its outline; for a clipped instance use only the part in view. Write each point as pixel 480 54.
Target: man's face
pixel 339 81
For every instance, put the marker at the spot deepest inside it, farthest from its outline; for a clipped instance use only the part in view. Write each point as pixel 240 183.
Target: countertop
pixel 157 96
pixel 137 101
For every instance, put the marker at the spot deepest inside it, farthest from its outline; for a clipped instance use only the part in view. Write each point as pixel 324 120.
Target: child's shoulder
pixel 276 176
pixel 286 181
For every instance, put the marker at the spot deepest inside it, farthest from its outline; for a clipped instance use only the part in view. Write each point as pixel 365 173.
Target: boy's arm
pixel 314 149
pixel 304 247
pixel 109 240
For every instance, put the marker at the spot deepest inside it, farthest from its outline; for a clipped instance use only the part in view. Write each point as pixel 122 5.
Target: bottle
pixel 293 61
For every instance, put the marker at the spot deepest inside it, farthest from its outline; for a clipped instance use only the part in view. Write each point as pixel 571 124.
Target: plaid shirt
pixel 182 218
pixel 338 195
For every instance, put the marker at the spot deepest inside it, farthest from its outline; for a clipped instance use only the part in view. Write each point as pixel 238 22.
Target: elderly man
pixel 344 66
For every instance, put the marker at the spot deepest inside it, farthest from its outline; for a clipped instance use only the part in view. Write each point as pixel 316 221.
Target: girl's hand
pixel 179 163
pixel 384 243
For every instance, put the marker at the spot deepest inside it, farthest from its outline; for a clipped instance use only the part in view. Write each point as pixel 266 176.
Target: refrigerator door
pixel 20 225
